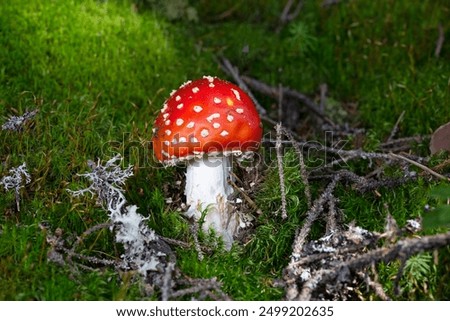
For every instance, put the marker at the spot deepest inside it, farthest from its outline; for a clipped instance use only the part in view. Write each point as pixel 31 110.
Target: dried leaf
pixel 440 140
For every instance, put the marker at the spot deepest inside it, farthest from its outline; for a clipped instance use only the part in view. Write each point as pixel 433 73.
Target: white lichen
pixel 305 275
pixel 413 226
pixel 16 123
pixel 106 183
pixel 15 181
pixel 139 241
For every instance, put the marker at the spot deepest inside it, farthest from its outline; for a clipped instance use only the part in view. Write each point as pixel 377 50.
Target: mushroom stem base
pixel 207 191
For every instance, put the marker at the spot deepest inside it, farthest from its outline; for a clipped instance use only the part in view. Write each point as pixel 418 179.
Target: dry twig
pixel 303 171
pixel 247 198
pixel 405 248
pixel 425 168
pixel 395 128
pixel 329 3
pixel 312 214
pixel 375 285
pixel 278 148
pixel 194 228
pixel 209 287
pixel 167 284
pixel 288 15
pixel 274 92
pixel 440 41
pixel 88 232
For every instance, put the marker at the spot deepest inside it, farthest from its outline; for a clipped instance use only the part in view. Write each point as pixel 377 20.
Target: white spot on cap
pixel 163 110
pixel 166 143
pixel 165 115
pixel 236 94
pixel 204 133
pixel 230 118
pixel 195 90
pixel 178 98
pixel 185 84
pixel 168 132
pixel 180 106
pixel 198 109
pixel 154 130
pixel 210 78
pixel 190 125
pixel 174 141
pixel 224 133
pixel 211 85
pixel 172 92
pixel 182 140
pixel 167 122
pixel 179 121
pixel 239 110
pixel 212 116
pixel 216 125
pixel 194 140
pixel 217 100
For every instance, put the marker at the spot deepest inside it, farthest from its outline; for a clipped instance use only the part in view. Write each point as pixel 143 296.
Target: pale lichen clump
pixel 144 251
pixel 17 123
pixel 16 181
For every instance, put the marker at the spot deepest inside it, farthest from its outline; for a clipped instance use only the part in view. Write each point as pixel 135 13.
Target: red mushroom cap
pixel 208 115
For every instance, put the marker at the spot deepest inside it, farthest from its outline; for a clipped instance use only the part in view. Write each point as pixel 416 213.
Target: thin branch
pixel 323 96
pixel 303 171
pixel 166 288
pixel 403 248
pixel 287 16
pixel 312 214
pixel 274 93
pixel 429 170
pixel 280 103
pixel 200 286
pixel 343 153
pixel 442 165
pixel 247 198
pixel 332 217
pixel 88 232
pixel 440 41
pixel 286 9
pixel 395 128
pixel 278 148
pixel 179 243
pixel 399 275
pixel 194 228
pixel 329 3
pixel 401 144
pixel 375 286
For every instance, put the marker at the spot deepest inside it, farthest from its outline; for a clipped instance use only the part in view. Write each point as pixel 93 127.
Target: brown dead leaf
pixel 440 140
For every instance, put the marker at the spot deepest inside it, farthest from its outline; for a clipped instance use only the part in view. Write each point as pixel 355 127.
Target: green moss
pixel 99 72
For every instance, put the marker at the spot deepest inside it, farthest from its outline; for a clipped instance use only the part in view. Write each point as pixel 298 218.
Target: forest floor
pixel 345 200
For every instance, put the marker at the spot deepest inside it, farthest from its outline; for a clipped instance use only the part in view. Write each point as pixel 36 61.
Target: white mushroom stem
pixel 207 191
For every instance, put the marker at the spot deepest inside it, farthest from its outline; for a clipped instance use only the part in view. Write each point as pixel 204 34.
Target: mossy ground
pixel 99 71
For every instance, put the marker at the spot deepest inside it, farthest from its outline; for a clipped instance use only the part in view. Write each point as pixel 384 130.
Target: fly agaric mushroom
pixel 204 123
